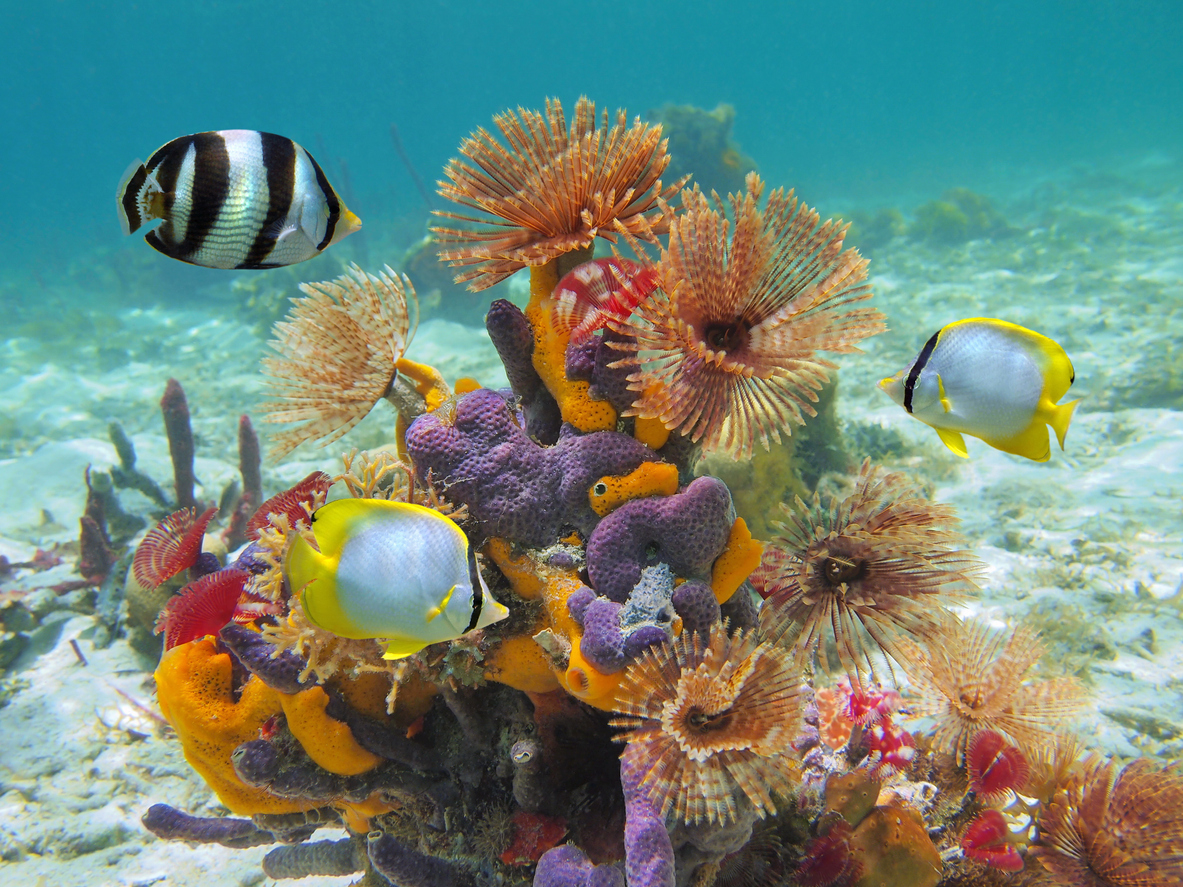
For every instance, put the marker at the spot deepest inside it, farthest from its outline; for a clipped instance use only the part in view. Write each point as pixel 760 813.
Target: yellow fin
pixel 944 397
pixel 953 440
pixel 1032 443
pixel 401 648
pixel 1060 417
pixel 441 606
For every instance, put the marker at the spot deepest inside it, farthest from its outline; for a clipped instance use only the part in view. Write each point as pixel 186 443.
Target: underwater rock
pixel 701 144
pixel 960 215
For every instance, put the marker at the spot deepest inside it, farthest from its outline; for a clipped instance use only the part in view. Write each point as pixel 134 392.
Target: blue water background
pixel 863 103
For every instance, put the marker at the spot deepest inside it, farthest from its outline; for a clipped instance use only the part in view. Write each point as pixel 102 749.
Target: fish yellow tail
pixel 1060 417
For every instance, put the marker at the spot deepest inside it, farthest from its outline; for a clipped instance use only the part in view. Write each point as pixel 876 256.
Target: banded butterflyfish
pixel 992 380
pixel 235 198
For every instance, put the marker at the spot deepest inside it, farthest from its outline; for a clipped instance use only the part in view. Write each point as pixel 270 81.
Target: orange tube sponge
pixel 550 353
pixel 647 479
pixel 520 663
pixel 194 686
pixel 737 562
pixel 327 741
pixel 585 682
pixel 429 381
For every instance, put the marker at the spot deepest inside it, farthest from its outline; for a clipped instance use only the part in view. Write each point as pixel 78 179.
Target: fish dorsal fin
pixel 953 440
pixel 441 606
pixel 335 522
pixel 948 407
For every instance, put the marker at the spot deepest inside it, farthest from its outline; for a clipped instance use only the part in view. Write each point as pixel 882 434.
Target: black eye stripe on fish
pixel 234 199
pixel 333 202
pixel 917 367
pixel 478 599
pixel 279 158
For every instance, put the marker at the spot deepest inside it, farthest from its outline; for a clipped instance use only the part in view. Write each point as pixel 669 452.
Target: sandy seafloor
pixel 1089 546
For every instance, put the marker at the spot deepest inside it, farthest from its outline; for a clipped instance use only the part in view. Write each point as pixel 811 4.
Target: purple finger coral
pixel 686 531
pixel 480 456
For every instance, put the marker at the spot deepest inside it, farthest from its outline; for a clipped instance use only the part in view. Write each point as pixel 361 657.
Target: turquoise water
pixel 1009 160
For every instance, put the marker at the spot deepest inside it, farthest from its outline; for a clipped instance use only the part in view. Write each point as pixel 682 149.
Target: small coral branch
pixel 175 409
pixel 328 858
pixel 175 825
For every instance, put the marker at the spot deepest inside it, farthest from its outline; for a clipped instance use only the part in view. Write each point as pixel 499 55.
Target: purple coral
pixel 568 866
pixel 615 634
pixel 513 338
pixel 696 603
pixel 173 824
pixel 405 867
pixel 686 531
pixel 513 487
pixel 175 409
pixel 648 850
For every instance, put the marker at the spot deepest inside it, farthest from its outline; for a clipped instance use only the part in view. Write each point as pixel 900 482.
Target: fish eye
pixel 600 489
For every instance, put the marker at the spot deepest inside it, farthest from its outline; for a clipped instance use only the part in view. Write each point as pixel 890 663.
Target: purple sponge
pixel 481 457
pixel 568 866
pixel 686 531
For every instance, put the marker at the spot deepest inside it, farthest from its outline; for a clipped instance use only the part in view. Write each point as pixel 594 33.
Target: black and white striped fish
pixel 236 198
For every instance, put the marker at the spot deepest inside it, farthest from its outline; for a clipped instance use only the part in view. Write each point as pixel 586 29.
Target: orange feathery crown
pixel 725 350
pixel 553 190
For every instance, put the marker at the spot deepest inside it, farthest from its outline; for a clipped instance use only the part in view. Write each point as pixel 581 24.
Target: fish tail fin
pixel 139 198
pixel 1060 417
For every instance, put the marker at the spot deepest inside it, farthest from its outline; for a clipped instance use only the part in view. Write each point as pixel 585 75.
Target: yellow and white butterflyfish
pixel 390 570
pixel 992 380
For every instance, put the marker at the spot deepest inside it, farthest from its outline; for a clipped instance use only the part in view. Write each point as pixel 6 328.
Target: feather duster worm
pixel 591 295
pixel 171 546
pixel 204 606
pixel 971 679
pixel 710 720
pixel 864 572
pixel 554 190
pixel 994 767
pixel 1114 827
pixel 725 351
pixel 337 354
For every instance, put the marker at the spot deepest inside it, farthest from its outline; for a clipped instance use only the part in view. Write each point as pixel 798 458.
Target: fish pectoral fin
pixel 401 648
pixel 441 606
pixel 1061 415
pixel 948 407
pixel 953 440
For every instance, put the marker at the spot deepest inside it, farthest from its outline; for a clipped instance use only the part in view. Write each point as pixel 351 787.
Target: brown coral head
pixel 726 349
pixel 1114 827
pixel 712 721
pixel 553 190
